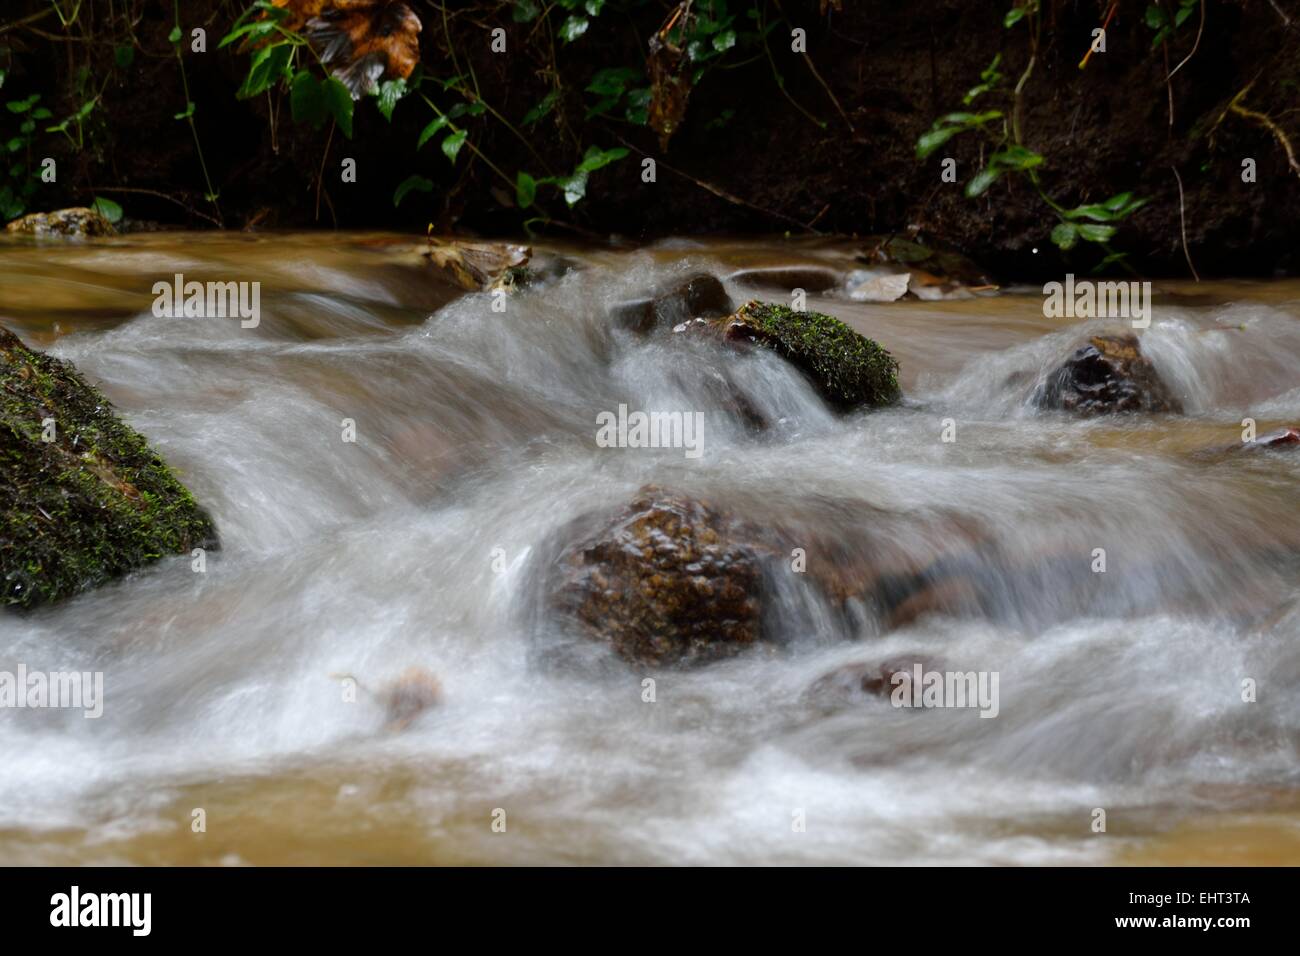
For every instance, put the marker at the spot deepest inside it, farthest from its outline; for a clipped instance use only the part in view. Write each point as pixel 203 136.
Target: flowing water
pixel 475 431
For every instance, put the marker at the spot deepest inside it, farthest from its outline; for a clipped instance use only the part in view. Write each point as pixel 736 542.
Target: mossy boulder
pixel 83 499
pixel 849 370
pixel 77 222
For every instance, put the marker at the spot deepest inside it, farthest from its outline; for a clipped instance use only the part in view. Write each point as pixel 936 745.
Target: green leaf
pixel 22 106
pixel 418 183
pixel 525 189
pixel 175 35
pixel 638 106
pixel 269 64
pixel 41 113
pixel 575 187
pixel 724 41
pixel 307 100
pixel 596 158
pixel 390 91
pixel 594 7
pixel 572 28
pixel 1015 157
pixel 612 81
pixel 1014 16
pixel 982 180
pixel 108 209
pixel 1155 17
pixel 452 144
pixel 935 138
pixel 525 11
pixel 338 103
pixel 1096 233
pixel 123 55
pixel 432 130
pixel 546 104
pixel 1065 235
pixel 257 30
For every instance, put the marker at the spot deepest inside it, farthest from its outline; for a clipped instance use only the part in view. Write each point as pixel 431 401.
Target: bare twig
pixel 91 190
pixel 1195 46
pixel 1182 219
pixel 721 193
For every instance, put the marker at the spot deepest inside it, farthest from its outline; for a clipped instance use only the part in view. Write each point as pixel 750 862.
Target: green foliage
pixel 19 179
pixel 1163 24
pixel 1092 223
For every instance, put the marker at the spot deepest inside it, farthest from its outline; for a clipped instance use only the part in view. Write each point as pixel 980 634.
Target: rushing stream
pixel 475 431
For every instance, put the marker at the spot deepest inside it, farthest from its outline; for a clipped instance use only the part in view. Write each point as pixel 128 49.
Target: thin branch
pixel 1195 46
pixel 1182 219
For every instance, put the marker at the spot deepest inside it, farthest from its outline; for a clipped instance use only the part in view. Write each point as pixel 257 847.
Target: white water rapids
pixel 476 431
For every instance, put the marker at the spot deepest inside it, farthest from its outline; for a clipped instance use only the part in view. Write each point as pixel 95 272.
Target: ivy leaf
pixel 982 180
pixel 596 158
pixel 542 108
pixel 1095 233
pixel 452 144
pixel 432 130
pixel 269 64
pixel 935 138
pixel 108 209
pixel 573 27
pixel 525 189
pixel 1065 235
pixel 390 91
pixel 575 187
pixel 409 183
pixel 22 106
pixel 306 100
pixel 338 103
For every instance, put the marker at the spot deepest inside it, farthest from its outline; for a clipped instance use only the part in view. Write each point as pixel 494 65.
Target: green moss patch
pixel 847 368
pixel 88 506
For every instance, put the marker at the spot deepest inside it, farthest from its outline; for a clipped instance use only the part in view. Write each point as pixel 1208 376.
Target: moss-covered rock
pixel 78 222
pixel 848 369
pixel 83 499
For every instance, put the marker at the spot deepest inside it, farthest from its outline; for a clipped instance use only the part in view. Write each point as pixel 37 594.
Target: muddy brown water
pixel 417 546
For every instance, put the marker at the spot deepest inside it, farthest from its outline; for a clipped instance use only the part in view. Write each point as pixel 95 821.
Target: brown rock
pixel 698 296
pixel 1107 374
pixel 78 222
pixel 669 580
pixel 860 681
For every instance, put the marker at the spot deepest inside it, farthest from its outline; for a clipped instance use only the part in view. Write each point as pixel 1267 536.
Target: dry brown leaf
pixel 360 42
pixel 670 79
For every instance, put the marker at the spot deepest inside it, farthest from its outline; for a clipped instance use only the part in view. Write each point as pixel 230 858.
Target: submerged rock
pixel 861 681
pixel 1107 374
pixel 669 580
pixel 478 265
pixel 848 369
pixel 410 695
pixel 698 296
pixel 76 223
pixel 810 278
pixel 83 499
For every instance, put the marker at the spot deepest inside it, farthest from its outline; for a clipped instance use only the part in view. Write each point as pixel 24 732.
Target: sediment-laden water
pixel 419 545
